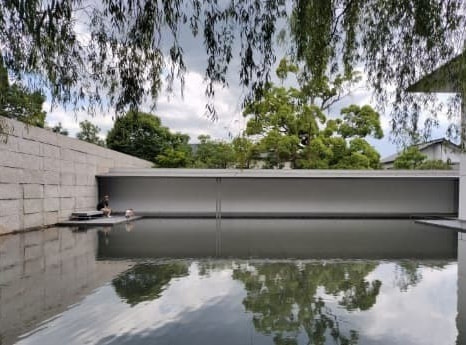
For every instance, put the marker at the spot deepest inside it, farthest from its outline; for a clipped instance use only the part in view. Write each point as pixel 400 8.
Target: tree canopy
pixel 18 103
pixel 112 52
pixel 146 281
pixel 142 135
pixel 89 132
pixel 58 128
pixel 214 154
pixel 290 128
pixel 178 154
pixel 284 301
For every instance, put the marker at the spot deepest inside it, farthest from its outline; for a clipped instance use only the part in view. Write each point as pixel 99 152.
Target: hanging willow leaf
pixel 111 52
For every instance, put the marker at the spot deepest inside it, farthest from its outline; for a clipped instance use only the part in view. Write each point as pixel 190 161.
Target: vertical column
pixel 461 316
pixel 218 217
pixel 462 187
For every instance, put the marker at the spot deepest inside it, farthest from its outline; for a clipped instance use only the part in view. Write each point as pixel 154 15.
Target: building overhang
pixel 276 174
pixel 448 78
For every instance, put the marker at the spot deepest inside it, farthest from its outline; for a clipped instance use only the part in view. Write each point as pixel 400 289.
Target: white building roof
pixel 421 147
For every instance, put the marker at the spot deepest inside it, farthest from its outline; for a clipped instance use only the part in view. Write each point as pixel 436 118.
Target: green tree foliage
pixel 246 152
pixel 146 282
pixel 289 128
pixel 411 158
pixel 397 42
pixel 171 158
pixel 435 164
pixel 409 272
pixel 89 132
pixel 122 57
pixel 360 122
pixel 18 103
pixel 213 154
pixel 284 301
pixel 58 128
pixel 142 135
pixel 178 155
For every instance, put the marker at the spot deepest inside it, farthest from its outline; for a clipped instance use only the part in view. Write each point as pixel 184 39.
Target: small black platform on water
pixel 85 215
pixel 98 221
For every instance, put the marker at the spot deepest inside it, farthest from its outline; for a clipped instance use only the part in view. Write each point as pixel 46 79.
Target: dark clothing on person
pixel 102 204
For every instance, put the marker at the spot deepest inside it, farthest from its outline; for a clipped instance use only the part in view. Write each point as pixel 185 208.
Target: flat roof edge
pixel 267 174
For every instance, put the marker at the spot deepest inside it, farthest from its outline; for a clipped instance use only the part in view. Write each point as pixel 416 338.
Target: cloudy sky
pixel 187 114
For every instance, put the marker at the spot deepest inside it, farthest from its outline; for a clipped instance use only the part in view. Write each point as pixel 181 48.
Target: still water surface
pixel 186 281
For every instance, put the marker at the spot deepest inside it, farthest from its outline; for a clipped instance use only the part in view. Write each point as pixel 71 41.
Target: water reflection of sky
pixel 208 308
pixel 187 304
pixel 422 314
pixel 356 281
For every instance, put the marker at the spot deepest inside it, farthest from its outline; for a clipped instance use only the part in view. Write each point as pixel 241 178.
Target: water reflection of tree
pixel 283 298
pixel 409 274
pixel 146 282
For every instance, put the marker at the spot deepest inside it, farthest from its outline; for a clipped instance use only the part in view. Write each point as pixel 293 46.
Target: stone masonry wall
pixel 45 176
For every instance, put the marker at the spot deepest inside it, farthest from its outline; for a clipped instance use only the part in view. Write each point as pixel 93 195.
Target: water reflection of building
pixel 461 318
pixel 43 272
pixel 277 238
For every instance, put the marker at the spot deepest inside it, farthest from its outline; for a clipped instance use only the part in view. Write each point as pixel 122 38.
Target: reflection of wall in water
pixel 278 238
pixel 461 318
pixel 43 272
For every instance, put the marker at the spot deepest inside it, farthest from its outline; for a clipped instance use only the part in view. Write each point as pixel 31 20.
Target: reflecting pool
pixel 189 281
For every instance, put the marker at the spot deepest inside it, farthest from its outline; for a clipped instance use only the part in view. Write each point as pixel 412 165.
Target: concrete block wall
pixel 45 176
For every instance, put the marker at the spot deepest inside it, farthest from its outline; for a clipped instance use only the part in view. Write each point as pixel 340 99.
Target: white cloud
pixel 70 119
pixel 188 114
pixel 181 114
pixel 419 315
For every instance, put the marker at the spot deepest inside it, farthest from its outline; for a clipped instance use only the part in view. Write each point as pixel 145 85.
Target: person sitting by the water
pixel 129 213
pixel 103 206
